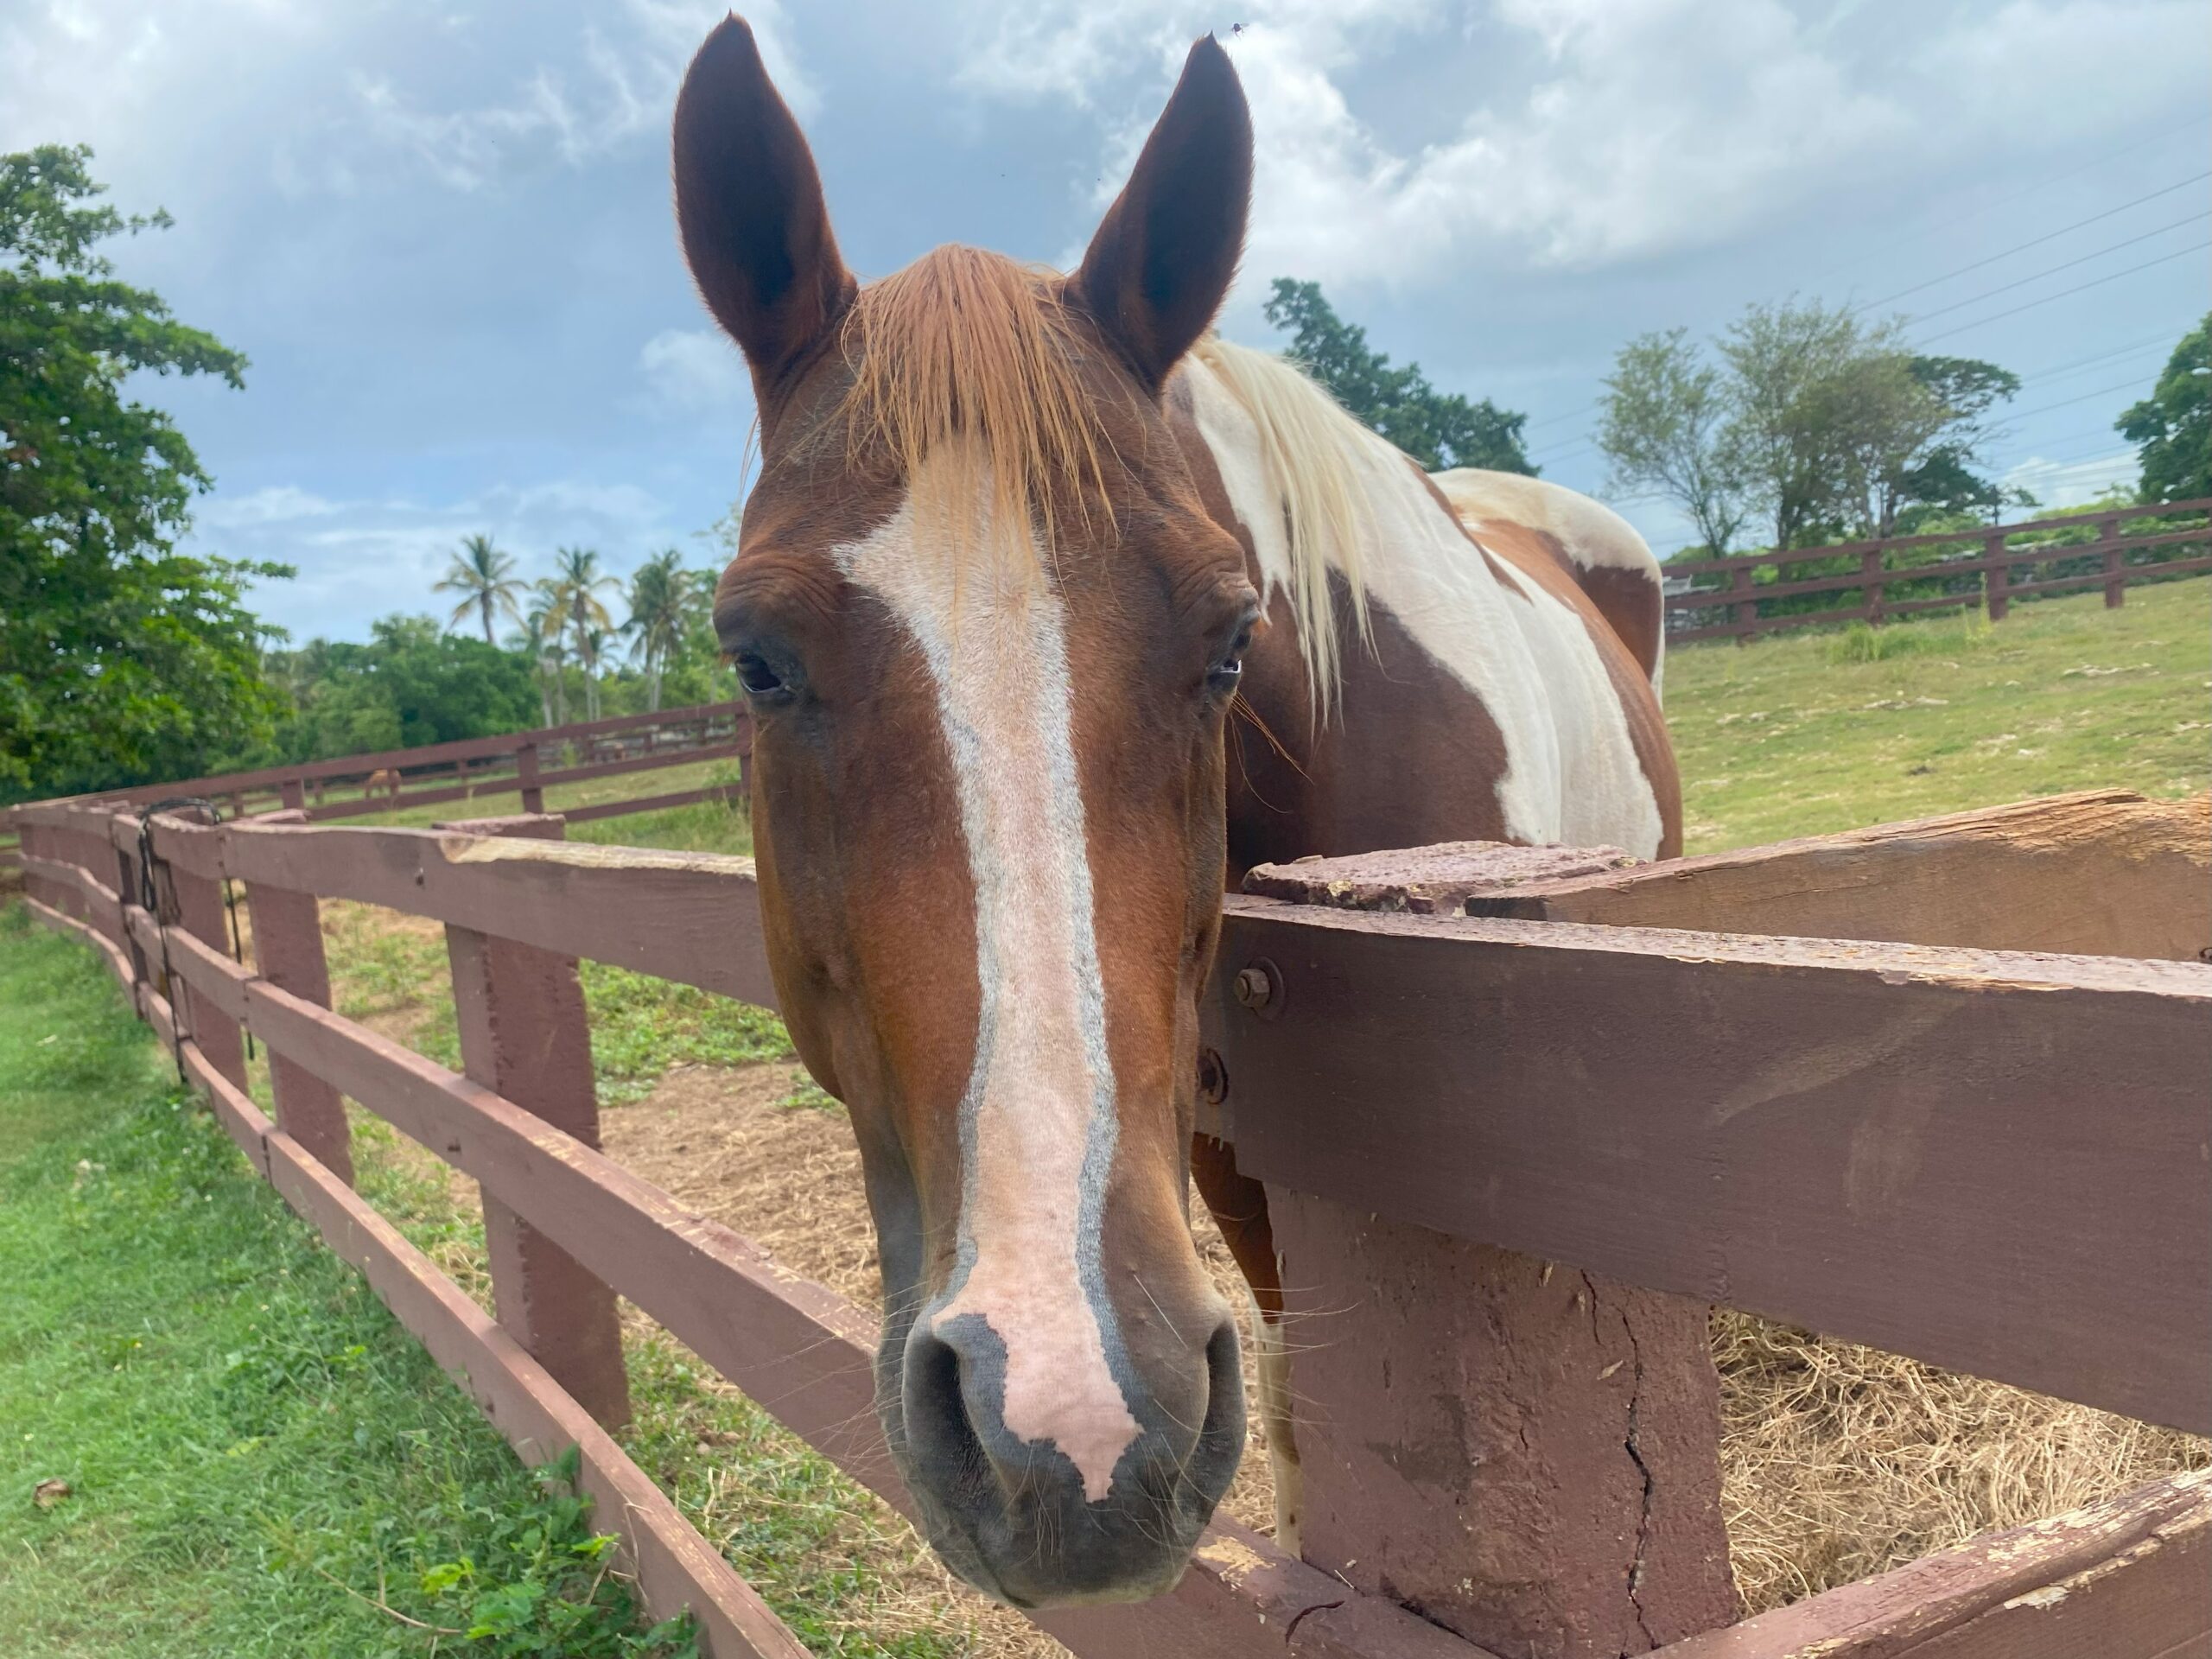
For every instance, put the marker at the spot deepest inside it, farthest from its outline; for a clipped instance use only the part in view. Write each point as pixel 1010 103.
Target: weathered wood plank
pixel 2130 1578
pixel 732 793
pixel 1999 1163
pixel 690 917
pixel 2101 873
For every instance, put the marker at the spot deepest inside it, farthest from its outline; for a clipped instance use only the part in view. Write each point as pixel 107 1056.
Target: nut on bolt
pixel 1254 987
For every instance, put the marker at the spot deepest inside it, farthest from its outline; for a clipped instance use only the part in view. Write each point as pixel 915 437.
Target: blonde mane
pixel 1311 450
pixel 968 360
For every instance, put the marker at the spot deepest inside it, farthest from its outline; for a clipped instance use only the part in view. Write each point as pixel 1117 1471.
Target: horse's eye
pixel 760 680
pixel 1227 668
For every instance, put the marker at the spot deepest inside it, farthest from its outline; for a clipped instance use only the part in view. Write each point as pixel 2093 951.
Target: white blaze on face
pixel 1037 1122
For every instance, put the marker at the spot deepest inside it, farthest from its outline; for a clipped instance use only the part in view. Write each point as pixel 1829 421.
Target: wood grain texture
pixel 1999 1163
pixel 690 917
pixel 2130 1578
pixel 2099 873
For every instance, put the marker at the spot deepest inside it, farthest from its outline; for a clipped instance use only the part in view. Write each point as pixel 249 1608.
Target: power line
pixel 2050 236
pixel 2099 282
pixel 2053 271
pixel 2041 377
pixel 2193 123
pixel 2045 409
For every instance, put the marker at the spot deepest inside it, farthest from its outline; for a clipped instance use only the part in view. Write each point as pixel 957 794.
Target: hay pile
pixel 1839 1461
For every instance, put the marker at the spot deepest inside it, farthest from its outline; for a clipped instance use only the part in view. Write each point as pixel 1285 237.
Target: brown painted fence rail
pixel 524 764
pixel 1985 577
pixel 1933 1134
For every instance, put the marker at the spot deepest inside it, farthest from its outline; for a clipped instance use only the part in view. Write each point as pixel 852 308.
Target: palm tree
pixel 593 652
pixel 544 625
pixel 544 649
pixel 485 579
pixel 574 588
pixel 660 595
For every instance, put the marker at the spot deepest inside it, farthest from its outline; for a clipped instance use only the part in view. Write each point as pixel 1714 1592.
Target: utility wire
pixel 2098 282
pixel 2053 271
pixel 2050 236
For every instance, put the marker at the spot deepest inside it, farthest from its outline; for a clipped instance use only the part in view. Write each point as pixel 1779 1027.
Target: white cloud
pixel 693 369
pixel 2058 485
pixel 624 88
pixel 1642 127
pixel 274 504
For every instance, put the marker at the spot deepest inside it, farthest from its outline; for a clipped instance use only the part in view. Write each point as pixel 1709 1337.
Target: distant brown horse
pixel 1020 544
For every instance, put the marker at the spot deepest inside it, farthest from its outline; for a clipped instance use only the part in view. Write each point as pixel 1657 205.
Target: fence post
pixel 1745 612
pixel 524 1035
pixel 533 798
pixel 2116 574
pixel 200 912
pixel 1870 571
pixel 1996 576
pixel 293 793
pixel 288 953
pixel 1527 1453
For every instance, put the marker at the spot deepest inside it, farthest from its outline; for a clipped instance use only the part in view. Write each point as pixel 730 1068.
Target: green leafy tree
pixel 2174 424
pixel 1665 429
pixel 121 660
pixel 659 609
pixel 1439 429
pixel 485 578
pixel 412 683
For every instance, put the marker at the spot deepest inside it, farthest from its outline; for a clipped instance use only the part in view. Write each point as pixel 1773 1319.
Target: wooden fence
pixel 1896 1114
pixel 523 764
pixel 1904 576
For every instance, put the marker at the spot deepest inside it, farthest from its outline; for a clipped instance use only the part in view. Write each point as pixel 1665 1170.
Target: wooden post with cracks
pixel 1521 1451
pixel 525 1034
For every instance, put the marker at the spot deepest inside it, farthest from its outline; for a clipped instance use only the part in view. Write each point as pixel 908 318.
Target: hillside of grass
pixel 1808 735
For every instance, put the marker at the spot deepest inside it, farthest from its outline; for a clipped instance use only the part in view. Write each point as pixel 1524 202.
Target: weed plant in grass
pixel 253 1457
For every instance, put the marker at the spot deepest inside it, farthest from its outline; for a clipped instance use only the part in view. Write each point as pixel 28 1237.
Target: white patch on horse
pixel 1572 775
pixel 1038 1122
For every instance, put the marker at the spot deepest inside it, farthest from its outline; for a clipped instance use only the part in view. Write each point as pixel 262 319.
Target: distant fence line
pixel 1903 576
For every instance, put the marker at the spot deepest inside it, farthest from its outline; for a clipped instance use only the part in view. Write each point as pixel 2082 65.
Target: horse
pixel 1056 613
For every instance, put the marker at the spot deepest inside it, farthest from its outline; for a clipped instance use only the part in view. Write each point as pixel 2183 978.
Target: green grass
pixel 255 1451
pixel 592 791
pixel 1807 735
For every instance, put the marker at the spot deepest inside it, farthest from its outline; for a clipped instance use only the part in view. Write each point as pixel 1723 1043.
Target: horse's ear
pixel 1163 256
pixel 749 204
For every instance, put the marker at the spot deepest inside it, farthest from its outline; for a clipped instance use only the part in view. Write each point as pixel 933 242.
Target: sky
pixel 442 234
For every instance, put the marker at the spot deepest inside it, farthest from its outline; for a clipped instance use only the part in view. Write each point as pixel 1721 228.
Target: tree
pixel 412 683
pixel 659 604
pixel 576 585
pixel 2174 424
pixel 1824 424
pixel 121 660
pixel 485 578
pixel 1664 429
pixel 1439 429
